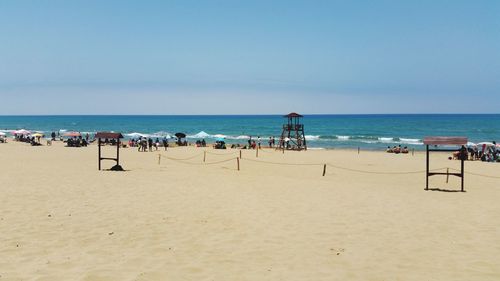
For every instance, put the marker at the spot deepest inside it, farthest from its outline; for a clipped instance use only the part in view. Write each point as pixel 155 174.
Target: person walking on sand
pixel 157 144
pixel 150 144
pixel 165 143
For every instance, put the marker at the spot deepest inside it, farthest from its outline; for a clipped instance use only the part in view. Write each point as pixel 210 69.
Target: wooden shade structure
pixel 293 130
pixel 436 141
pixel 109 135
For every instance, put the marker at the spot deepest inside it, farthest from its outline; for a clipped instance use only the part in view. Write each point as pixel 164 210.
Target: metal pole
pixel 324 170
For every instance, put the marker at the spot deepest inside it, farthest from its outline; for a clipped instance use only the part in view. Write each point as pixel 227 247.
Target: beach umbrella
pixel 219 139
pixel 471 144
pixel 2 134
pixel 37 135
pixel 21 132
pixel 72 134
pixel 180 135
pixel 135 135
pixel 485 143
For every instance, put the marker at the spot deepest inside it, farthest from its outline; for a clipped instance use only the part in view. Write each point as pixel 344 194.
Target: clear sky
pixel 249 57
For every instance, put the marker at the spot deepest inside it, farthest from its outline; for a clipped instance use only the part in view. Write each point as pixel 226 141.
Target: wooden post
pixel 358 149
pixel 238 162
pixel 413 151
pixel 240 153
pixel 257 152
pixel 159 158
pixel 324 170
pixel 118 152
pixel 204 156
pixel 447 174
pixel 462 172
pixel 99 153
pixel 427 168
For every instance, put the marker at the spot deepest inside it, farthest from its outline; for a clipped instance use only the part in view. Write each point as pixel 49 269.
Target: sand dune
pixel 61 219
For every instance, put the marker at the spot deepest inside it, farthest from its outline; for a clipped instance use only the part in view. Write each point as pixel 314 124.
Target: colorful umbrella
pixel 21 132
pixel 72 134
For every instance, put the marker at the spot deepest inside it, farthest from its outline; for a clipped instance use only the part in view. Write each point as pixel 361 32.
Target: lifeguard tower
pixel 293 136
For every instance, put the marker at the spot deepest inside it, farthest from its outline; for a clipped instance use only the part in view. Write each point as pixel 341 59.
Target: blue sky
pixel 249 57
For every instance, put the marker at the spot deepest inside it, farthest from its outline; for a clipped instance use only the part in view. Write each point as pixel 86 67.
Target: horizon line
pixel 264 114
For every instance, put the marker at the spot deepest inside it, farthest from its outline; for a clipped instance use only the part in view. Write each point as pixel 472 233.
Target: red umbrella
pixel 72 134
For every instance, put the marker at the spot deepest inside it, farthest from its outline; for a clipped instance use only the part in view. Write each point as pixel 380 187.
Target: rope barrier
pixel 382 173
pixel 286 164
pixel 230 153
pixel 190 163
pixel 476 174
pixel 182 159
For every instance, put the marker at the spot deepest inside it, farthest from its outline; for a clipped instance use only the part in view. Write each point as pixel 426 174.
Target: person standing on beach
pixel 165 143
pixel 157 144
pixel 150 144
pixel 270 142
pixel 258 141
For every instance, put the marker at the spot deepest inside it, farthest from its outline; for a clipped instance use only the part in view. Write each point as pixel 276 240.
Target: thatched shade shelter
pixel 437 141
pixel 100 136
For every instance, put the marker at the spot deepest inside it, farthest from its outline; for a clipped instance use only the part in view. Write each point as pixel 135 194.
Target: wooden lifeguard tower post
pixel 293 136
pixel 109 136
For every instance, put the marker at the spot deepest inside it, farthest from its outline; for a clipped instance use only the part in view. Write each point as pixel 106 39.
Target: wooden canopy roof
pixel 108 135
pixel 445 140
pixel 293 114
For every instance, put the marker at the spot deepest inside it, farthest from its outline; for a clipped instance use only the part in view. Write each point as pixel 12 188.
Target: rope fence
pixel 323 165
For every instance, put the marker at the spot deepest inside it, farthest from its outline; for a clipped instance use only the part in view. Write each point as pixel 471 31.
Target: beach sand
pixel 62 219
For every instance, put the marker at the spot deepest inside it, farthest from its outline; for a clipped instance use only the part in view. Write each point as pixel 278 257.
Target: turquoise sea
pixel 322 131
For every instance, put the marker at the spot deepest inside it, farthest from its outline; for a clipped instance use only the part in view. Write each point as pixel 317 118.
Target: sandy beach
pixel 62 219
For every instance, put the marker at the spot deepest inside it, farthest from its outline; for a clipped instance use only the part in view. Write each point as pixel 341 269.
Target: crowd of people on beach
pixel 397 149
pixel 488 153
pixel 144 144
pixel 33 140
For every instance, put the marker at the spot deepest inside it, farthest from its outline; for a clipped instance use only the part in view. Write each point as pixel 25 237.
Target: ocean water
pixel 322 131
